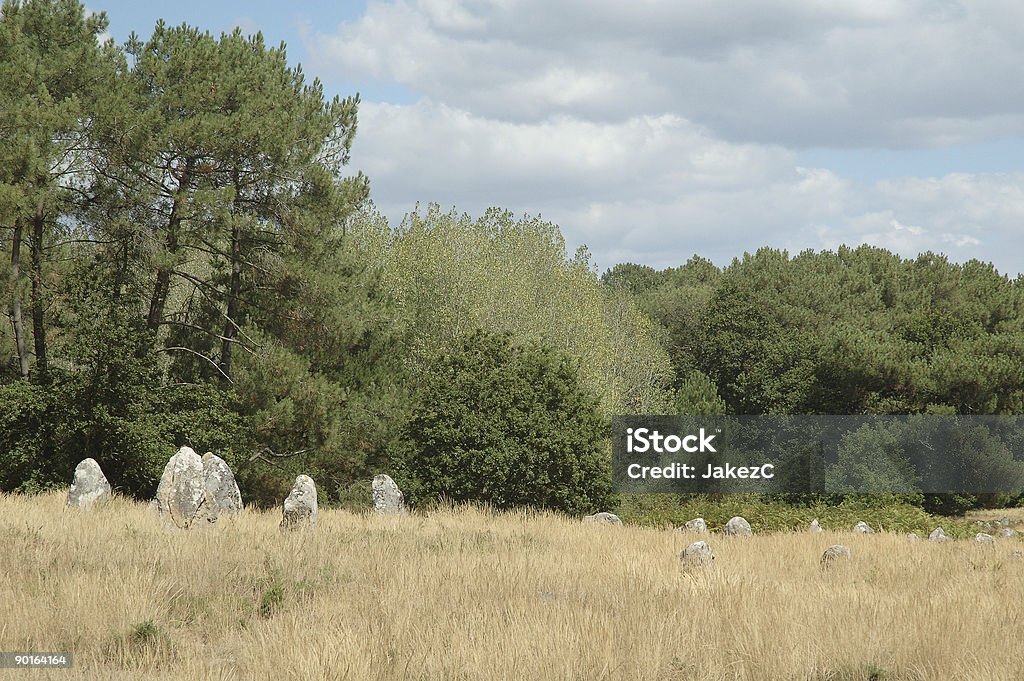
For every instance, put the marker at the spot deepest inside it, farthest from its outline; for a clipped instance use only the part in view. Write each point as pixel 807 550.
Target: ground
pixel 466 594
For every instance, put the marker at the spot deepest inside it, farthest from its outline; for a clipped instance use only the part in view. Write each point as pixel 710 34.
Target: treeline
pixel 857 331
pixel 186 262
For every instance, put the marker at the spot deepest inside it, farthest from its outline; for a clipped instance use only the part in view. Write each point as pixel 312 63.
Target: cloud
pixel 798 73
pixel 658 129
pixel 658 189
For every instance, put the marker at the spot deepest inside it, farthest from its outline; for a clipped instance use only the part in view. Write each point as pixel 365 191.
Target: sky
pixel 654 130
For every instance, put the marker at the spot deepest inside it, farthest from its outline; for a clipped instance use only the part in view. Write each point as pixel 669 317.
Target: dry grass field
pixel 465 594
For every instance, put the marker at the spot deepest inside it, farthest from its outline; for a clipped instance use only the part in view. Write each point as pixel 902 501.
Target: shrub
pixel 508 425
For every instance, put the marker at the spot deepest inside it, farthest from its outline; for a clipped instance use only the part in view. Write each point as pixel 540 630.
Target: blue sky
pixel 654 130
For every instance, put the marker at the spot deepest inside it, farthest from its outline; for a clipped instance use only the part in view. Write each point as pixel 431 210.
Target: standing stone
pixel 983 538
pixel 696 555
pixel 300 508
pixel 1004 521
pixel 737 527
pixel 833 555
pixel 182 490
pixel 387 498
pixel 1007 532
pixel 90 485
pixel 863 528
pixel 604 518
pixel 698 525
pixel 912 536
pixel 815 527
pixel 221 491
pixel 938 535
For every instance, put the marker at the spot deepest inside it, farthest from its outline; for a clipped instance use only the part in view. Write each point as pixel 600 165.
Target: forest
pixel 187 260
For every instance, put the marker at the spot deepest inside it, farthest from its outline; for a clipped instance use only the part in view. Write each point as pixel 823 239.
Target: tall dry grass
pixel 465 594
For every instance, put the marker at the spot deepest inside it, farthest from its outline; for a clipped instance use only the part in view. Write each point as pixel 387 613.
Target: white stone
pixel 737 527
pixel 1007 532
pixel 221 491
pixel 834 554
pixel 387 498
pixel 698 525
pixel 90 485
pixel 182 489
pixel 983 538
pixel 300 508
pixel 815 527
pixel 697 554
pixel 863 528
pixel 603 517
pixel 938 535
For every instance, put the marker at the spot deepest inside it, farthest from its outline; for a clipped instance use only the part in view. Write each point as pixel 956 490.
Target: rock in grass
pixel 912 536
pixel 737 527
pixel 983 538
pixel 387 498
pixel 833 555
pixel 603 517
pixel 221 491
pixel 863 528
pixel 697 555
pixel 90 485
pixel 300 509
pixel 815 527
pixel 182 489
pixel 938 535
pixel 1007 532
pixel 698 525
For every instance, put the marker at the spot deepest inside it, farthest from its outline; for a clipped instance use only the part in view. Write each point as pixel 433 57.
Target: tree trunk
pixel 158 300
pixel 19 326
pixel 38 321
pixel 235 289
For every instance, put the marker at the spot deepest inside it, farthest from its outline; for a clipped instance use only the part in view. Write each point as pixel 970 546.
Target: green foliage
pixel 453 274
pixel 508 425
pixel 882 512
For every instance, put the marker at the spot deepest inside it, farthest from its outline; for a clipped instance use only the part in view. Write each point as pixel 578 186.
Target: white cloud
pixel 657 189
pixel 657 129
pixel 792 72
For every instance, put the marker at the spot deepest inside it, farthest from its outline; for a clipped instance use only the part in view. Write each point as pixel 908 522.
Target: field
pixel 466 594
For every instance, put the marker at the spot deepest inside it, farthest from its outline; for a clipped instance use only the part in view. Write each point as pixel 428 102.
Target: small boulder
pixel 387 498
pixel 182 490
pixel 697 525
pixel 833 555
pixel 1007 532
pixel 983 538
pixel 604 518
pixel 737 527
pixel 300 509
pixel 90 485
pixel 221 491
pixel 697 555
pixel 815 527
pixel 863 528
pixel 938 535
pixel 1004 521
pixel 912 536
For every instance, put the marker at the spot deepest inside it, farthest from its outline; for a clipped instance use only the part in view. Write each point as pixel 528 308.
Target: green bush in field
pixel 892 513
pixel 508 425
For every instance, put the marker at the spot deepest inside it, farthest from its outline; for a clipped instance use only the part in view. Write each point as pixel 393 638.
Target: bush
pixel 508 425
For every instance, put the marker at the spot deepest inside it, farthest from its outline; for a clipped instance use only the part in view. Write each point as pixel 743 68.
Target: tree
pixel 49 58
pixel 508 425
